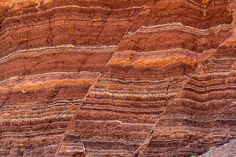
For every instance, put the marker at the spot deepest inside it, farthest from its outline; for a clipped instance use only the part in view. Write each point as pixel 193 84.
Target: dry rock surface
pixel 227 150
pixel 117 78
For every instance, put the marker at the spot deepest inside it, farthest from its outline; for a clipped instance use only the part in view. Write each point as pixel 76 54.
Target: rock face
pixel 112 78
pixel 227 150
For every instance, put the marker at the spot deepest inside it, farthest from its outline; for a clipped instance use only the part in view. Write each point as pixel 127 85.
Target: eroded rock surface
pixel 112 78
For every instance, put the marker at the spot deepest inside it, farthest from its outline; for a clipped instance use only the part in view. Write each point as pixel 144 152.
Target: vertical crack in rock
pixel 131 24
pixel 7 98
pixel 139 152
pixel 70 124
pixel 136 17
pixel 103 26
pixel 54 95
pixel 50 36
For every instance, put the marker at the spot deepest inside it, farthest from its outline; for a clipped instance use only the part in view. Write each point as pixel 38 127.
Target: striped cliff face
pixel 131 78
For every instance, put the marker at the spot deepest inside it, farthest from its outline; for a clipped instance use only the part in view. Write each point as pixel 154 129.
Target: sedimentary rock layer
pixel 116 78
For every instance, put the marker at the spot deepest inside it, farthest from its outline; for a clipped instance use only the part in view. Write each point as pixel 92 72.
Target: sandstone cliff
pixel 112 78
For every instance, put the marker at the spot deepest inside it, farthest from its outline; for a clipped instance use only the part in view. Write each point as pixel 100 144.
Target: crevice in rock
pixel 8 97
pixel 103 26
pixel 56 92
pixel 75 115
pixel 139 152
pixel 50 36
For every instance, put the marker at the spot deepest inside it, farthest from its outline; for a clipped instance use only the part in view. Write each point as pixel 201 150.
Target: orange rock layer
pixel 97 78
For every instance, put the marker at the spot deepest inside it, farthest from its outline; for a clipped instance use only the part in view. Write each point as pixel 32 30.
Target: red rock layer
pixel 116 78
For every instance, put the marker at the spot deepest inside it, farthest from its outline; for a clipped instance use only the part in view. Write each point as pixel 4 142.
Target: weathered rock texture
pixel 112 78
pixel 227 150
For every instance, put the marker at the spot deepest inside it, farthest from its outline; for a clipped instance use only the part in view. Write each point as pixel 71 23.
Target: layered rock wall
pixel 137 78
